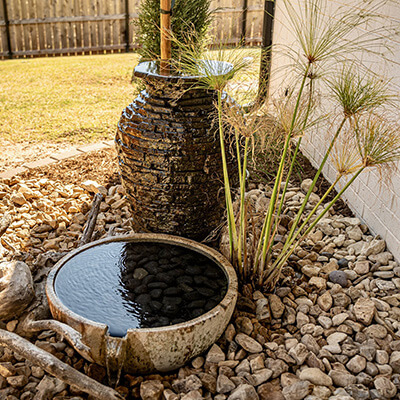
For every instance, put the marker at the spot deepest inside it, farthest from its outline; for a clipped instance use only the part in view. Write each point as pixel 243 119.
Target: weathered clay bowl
pixel 151 349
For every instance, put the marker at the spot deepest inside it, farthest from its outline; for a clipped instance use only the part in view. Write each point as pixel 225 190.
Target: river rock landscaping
pixel 331 329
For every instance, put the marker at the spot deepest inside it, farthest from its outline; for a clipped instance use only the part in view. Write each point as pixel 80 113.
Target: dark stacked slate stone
pixel 169 156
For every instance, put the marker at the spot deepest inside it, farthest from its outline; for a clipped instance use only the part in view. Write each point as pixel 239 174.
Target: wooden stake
pixel 165 25
pixel 91 222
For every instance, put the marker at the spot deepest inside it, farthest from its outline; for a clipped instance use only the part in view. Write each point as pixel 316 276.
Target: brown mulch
pixel 100 166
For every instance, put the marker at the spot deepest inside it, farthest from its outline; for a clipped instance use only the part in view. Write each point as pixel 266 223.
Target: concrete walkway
pixel 53 158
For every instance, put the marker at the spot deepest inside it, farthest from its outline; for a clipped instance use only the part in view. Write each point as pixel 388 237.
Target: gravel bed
pixel 330 331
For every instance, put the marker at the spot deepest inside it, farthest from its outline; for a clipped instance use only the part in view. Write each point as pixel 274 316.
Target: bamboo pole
pixel 165 26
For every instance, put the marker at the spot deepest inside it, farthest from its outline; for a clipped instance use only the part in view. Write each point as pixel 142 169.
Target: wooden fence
pixel 31 28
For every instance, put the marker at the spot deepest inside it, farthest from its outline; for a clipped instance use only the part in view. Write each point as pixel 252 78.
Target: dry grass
pixel 72 99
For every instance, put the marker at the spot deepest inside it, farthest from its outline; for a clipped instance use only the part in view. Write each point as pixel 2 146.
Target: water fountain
pixel 151 302
pixel 169 150
pixel 143 303
pixel 169 154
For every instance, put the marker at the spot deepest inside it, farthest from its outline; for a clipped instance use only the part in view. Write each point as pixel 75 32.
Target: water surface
pixel 139 285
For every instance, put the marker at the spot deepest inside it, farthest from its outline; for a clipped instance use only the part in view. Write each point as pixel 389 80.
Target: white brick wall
pixel 374 201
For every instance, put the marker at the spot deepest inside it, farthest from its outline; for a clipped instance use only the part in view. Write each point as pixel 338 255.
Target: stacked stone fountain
pixel 169 155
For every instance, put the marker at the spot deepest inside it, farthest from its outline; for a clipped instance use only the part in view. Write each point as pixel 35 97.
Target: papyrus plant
pixel 360 139
pixel 360 98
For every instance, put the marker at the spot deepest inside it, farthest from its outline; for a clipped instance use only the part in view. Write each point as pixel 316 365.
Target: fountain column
pixel 169 155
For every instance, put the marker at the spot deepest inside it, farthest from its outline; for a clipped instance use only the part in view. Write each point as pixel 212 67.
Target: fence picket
pixel 93 26
pixel 72 26
pixel 100 24
pixel 57 7
pixel 3 33
pixel 114 25
pixel 133 6
pixel 66 27
pixel 48 12
pixel 15 36
pixel 78 25
pixel 41 29
pixel 86 27
pixel 33 29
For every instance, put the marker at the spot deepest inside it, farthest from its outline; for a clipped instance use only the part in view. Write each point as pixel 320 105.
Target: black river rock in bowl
pixel 129 285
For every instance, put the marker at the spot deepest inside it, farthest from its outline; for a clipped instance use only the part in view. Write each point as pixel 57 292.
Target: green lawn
pixel 74 99
pixel 71 99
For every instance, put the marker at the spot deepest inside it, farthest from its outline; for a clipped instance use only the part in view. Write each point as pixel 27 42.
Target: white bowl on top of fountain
pixel 143 303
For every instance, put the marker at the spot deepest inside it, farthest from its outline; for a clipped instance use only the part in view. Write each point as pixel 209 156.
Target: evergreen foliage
pixel 190 21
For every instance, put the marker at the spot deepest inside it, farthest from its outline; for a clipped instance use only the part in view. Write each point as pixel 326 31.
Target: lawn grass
pixel 75 99
pixel 69 99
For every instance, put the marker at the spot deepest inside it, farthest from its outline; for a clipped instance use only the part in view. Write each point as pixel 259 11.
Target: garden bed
pixel 330 330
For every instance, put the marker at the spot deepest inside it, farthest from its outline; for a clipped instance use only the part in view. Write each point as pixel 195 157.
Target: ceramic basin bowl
pixel 145 350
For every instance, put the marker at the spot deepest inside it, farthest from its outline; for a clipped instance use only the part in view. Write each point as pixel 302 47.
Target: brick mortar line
pixel 57 157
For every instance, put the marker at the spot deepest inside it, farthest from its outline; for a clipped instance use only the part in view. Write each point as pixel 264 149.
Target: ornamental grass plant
pixel 361 136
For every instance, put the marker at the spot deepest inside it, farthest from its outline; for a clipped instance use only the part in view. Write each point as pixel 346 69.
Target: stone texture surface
pixel 316 377
pixel 184 188
pixel 16 288
pixel 364 310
